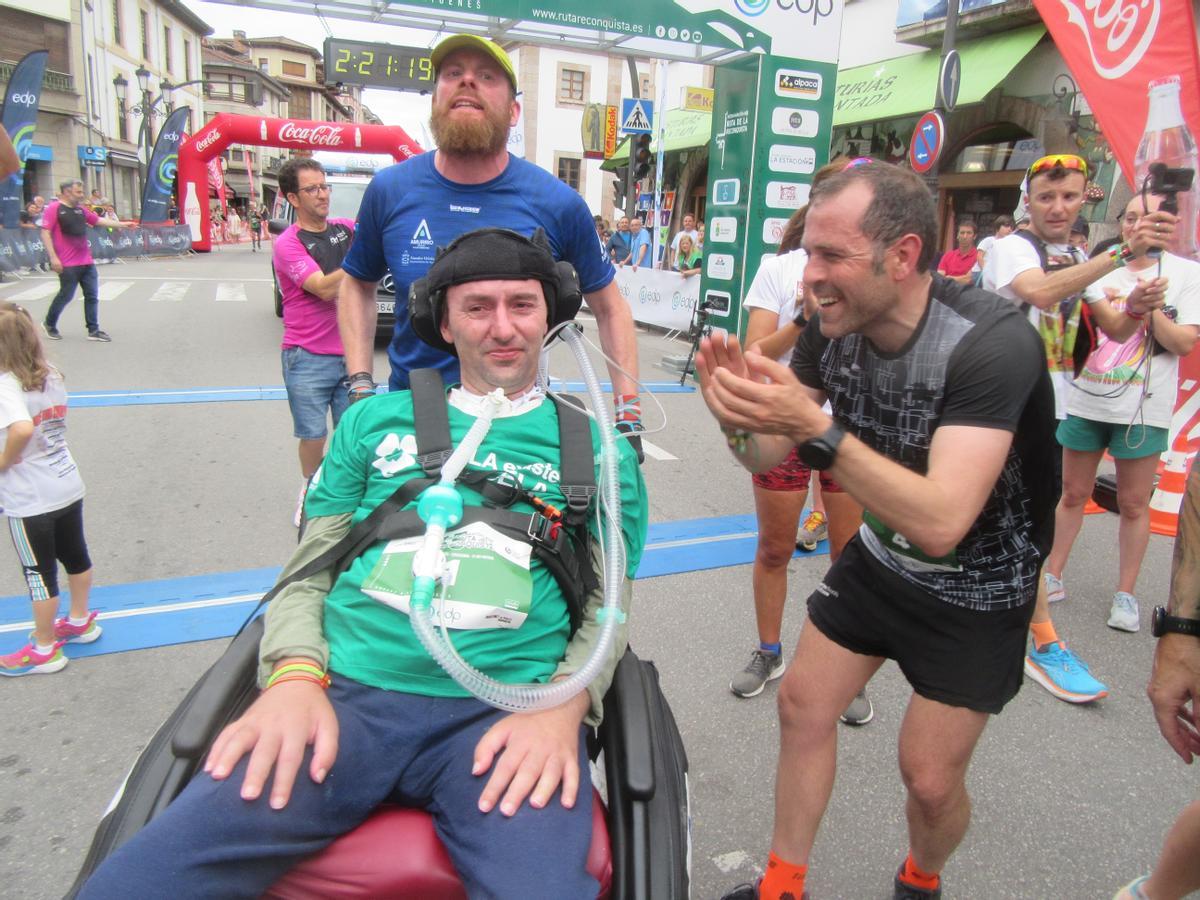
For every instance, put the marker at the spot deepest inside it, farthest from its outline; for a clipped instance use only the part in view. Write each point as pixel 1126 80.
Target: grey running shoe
pixel 904 891
pixel 99 335
pixel 763 667
pixel 1124 613
pixel 1055 591
pixel 750 892
pixel 814 530
pixel 860 711
pixel 51 332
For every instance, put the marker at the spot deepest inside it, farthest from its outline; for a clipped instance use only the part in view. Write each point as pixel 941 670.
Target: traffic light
pixel 619 187
pixel 640 156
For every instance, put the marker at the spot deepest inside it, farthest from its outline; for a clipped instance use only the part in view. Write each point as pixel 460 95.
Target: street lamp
pixel 146 108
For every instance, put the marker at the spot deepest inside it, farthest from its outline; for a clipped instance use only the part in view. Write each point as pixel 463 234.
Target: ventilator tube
pixel 439 514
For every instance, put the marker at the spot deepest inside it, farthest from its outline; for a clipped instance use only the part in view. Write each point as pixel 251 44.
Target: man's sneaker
pixel 51 332
pixel 1063 674
pixel 860 711
pixel 1133 890
pixel 99 335
pixel 750 892
pixel 813 531
pixel 27 661
pixel 77 634
pixel 1124 613
pixel 1054 588
pixel 763 667
pixel 902 890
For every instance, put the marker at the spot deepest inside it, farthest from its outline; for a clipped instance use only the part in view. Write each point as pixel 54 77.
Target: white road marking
pixel 170 292
pixel 37 292
pixel 231 292
pixel 155 610
pixel 656 451
pixel 111 290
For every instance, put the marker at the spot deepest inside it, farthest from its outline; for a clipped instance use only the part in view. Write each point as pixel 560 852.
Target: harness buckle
pixel 432 463
pixel 579 498
pixel 542 531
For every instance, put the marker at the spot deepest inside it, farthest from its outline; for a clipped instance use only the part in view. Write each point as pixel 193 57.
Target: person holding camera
pixel 65 236
pixel 1122 401
pixel 1050 280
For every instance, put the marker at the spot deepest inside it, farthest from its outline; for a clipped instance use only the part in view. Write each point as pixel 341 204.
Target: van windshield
pixel 345 198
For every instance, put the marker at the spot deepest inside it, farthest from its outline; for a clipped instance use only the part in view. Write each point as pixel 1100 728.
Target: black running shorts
pixel 951 654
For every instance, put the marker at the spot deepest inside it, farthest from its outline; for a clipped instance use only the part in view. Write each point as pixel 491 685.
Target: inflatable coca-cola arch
pixel 296 134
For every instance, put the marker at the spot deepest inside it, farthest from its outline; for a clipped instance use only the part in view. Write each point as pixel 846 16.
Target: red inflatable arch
pixel 225 129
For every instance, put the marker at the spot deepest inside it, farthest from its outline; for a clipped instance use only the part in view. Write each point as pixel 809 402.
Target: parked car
pixel 348 174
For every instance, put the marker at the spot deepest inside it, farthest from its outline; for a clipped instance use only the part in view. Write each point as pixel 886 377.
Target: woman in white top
pixel 42 496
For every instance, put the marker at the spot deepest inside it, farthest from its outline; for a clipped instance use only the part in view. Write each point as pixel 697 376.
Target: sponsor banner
pixel 164 162
pixel 663 299
pixel 610 131
pixel 22 96
pixel 698 98
pixel 1115 50
pixel 21 248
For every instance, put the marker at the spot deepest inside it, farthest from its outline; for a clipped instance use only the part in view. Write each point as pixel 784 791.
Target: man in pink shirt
pixel 64 233
pixel 308 265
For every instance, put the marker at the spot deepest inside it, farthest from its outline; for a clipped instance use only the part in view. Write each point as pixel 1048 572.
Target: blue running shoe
pixel 1063 674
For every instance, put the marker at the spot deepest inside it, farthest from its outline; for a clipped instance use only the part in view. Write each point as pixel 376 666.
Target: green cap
pixel 473 42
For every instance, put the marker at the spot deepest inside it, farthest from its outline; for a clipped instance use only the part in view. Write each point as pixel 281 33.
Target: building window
pixel 167 64
pixel 301 105
pixel 116 22
pixel 646 92
pixel 144 22
pixel 122 122
pixel 187 60
pixel 264 66
pixel 570 171
pixel 572 85
pixel 295 69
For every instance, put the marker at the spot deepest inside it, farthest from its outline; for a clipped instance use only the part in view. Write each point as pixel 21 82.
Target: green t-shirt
pixel 372 453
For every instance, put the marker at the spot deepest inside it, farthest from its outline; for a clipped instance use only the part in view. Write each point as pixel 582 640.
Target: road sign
pixel 636 115
pixel 927 140
pixel 949 79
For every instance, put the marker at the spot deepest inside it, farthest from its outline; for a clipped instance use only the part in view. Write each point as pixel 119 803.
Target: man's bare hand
pixel 275 731
pixel 537 751
pixel 1174 690
pixel 1147 296
pixel 1153 231
pixel 56 265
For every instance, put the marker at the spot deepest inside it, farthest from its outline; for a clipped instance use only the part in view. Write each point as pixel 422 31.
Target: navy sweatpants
pixel 411 750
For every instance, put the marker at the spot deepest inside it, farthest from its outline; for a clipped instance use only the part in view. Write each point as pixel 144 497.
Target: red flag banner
pixel 1114 49
pixel 248 162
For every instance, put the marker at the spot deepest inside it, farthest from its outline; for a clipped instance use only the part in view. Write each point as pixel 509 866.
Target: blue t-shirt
pixel 641 239
pixel 410 209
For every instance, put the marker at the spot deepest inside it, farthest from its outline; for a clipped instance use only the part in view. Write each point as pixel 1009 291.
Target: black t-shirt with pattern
pixel 973 360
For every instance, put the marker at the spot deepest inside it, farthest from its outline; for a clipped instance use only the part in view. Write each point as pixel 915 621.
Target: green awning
pixel 907 85
pixel 683 129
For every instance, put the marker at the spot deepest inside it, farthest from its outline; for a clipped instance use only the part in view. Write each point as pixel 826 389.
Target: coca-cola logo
pixel 316 135
pixel 1118 36
pixel 207 141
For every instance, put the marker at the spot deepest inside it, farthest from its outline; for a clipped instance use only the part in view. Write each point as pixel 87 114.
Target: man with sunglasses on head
pixel 308 266
pixel 471 181
pixel 1053 281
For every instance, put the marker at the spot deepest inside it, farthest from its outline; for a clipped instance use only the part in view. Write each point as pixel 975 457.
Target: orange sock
pixel 910 874
pixel 1043 633
pixel 783 880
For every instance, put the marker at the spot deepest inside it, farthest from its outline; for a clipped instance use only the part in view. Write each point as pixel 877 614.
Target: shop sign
pixel 698 98
pixel 610 131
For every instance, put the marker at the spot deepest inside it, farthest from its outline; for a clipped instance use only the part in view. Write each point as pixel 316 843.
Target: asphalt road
pixel 1069 802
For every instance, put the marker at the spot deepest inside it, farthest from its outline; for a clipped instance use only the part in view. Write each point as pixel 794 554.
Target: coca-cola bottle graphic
pixel 1167 140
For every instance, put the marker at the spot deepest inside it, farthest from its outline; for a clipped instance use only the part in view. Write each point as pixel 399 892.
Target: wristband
pixel 323 683
pixel 360 385
pixel 1139 316
pixel 295 671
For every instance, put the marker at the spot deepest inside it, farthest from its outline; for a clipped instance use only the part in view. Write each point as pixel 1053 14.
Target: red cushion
pixel 366 863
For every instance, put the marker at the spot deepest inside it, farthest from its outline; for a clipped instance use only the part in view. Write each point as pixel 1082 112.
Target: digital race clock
pixel 378 65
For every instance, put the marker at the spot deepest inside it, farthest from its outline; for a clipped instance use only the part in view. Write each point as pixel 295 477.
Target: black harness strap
pixel 431 419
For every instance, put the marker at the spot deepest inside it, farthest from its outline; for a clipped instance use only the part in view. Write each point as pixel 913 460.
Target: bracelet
pixel 309 670
pixel 737 440
pixel 1120 254
pixel 1139 316
pixel 322 682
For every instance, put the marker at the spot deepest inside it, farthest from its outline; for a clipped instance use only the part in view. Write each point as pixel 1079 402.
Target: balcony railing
pixel 51 81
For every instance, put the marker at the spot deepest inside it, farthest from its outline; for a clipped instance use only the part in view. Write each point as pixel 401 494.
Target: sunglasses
pixel 1059 161
pixel 856 162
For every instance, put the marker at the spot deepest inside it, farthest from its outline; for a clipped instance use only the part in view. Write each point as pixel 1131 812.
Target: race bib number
pixel 906 553
pixel 486 582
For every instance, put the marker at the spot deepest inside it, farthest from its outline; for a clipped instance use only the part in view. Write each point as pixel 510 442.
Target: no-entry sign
pixel 927 140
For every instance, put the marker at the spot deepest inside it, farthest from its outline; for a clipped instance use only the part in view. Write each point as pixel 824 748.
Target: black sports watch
pixel 819 452
pixel 1161 623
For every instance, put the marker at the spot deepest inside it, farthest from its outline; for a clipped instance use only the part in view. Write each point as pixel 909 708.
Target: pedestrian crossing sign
pixel 636 115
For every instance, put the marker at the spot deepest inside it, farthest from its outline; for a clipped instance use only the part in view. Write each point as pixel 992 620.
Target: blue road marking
pixel 91 399
pixel 205 607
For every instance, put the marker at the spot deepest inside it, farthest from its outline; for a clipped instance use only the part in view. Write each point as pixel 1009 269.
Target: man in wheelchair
pixel 354 712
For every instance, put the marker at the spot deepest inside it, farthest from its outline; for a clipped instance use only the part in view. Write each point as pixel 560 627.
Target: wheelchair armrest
pixel 209 705
pixel 627 717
